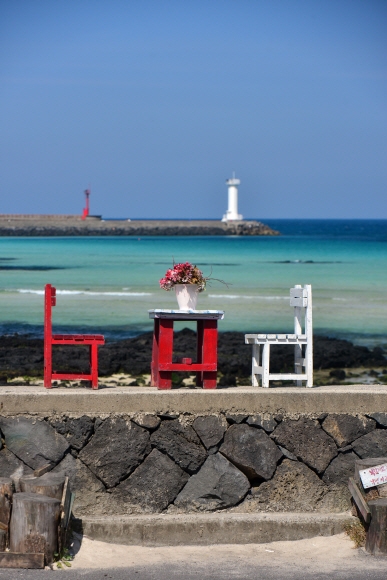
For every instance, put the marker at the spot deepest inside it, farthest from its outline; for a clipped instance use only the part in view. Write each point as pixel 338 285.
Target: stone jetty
pixel 73 225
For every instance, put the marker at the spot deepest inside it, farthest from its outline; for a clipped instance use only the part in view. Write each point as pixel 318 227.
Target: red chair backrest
pixel 49 302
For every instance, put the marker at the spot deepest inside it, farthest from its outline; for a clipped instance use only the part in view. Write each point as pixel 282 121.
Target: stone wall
pixel 174 463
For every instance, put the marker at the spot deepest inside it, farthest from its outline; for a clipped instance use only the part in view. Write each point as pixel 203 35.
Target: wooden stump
pixel 49 484
pixel 376 542
pixel 6 491
pixel 3 540
pixel 34 524
pixel 11 560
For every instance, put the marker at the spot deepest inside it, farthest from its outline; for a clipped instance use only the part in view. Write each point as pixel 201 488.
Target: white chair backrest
pixel 301 299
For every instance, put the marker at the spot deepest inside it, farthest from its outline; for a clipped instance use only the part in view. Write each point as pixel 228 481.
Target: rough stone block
pixel 307 440
pixel 77 431
pixel 232 418
pixel 380 418
pixel 147 421
pixel 210 429
pixel 153 486
pixel 251 450
pixel 181 444
pixel 340 469
pixel 287 453
pixel 87 487
pixel 218 485
pixel 263 420
pixel 294 487
pixel 373 444
pixel 117 448
pixel 11 466
pixel 36 443
pixel 346 428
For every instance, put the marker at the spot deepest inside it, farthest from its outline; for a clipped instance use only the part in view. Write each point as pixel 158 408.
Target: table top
pixel 187 314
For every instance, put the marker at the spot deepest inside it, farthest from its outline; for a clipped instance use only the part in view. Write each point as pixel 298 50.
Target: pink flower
pixel 183 273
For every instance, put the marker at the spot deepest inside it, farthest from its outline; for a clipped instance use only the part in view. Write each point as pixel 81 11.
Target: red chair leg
pixel 47 366
pixel 94 365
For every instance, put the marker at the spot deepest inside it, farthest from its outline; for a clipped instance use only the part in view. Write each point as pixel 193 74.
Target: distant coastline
pixel 73 225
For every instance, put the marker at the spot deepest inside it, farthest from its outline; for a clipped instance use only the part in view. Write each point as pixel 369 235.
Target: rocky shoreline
pixel 51 226
pixel 22 356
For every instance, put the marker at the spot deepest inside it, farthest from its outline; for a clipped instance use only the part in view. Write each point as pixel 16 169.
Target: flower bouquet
pixel 187 281
pixel 184 273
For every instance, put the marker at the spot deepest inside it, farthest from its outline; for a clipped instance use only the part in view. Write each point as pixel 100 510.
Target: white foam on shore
pixel 85 292
pixel 244 297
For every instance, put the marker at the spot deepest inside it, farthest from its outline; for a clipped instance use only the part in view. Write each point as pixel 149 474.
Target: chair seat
pixel 78 339
pixel 275 338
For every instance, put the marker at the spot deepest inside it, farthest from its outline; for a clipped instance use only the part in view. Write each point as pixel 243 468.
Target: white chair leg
pixel 255 363
pixel 309 366
pixel 265 364
pixel 298 362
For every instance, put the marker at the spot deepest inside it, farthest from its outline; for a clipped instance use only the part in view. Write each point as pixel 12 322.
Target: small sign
pixel 374 475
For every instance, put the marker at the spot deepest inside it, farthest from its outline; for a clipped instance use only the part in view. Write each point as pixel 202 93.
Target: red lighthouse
pixel 86 209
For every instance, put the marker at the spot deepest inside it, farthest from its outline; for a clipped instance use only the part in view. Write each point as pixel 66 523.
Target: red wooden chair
pixel 91 340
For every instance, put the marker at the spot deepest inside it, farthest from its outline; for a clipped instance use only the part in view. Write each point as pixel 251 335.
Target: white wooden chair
pixel 301 299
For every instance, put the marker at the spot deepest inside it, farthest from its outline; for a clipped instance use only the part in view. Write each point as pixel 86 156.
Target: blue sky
pixel 156 102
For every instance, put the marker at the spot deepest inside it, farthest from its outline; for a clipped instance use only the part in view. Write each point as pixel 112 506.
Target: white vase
pixel 187 296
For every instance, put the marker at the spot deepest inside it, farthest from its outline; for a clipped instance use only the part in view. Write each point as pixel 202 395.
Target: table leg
pixel 164 378
pixel 155 352
pixel 210 351
pixel 199 351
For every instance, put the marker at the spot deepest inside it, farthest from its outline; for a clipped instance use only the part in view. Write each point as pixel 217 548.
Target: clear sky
pixel 156 102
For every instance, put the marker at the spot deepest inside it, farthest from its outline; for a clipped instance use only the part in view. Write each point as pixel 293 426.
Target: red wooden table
pixel 206 364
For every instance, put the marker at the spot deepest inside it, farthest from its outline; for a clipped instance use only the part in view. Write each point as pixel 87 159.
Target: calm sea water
pixel 108 284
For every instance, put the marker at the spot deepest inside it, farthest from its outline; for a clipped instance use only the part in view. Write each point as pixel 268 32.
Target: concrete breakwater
pixel 72 225
pixel 243 450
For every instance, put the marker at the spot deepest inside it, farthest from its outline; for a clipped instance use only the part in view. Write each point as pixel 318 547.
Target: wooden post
pixel 6 491
pixel 65 514
pixel 34 524
pixel 49 484
pixel 376 541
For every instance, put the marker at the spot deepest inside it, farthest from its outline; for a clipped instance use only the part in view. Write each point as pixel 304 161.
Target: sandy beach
pixel 321 554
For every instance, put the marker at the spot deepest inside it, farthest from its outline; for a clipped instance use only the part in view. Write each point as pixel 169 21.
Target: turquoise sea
pixel 108 284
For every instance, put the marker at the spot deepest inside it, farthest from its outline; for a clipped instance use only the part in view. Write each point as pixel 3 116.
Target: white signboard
pixel 374 475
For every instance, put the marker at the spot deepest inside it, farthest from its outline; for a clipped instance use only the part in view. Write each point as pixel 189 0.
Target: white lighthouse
pixel 232 211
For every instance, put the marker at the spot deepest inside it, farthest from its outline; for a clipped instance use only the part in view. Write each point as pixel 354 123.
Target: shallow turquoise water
pixel 110 283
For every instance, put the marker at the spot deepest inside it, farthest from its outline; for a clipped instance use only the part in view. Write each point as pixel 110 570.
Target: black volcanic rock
pixel 340 469
pixel 77 431
pixel 210 429
pixel 218 485
pixel 346 428
pixel 294 487
pixel 251 450
pixel 35 442
pixel 116 449
pixel 373 444
pixel 23 355
pixel 308 441
pixel 180 443
pixel 154 484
